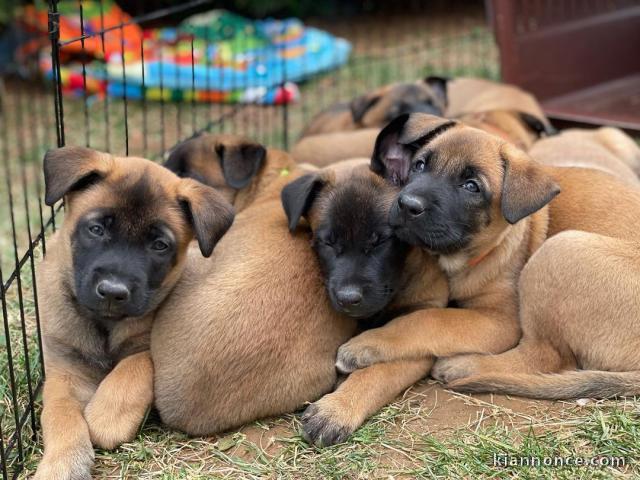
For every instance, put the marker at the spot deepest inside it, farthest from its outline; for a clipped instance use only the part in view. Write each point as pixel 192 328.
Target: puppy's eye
pixel 96 230
pixel 419 166
pixel 471 186
pixel 159 245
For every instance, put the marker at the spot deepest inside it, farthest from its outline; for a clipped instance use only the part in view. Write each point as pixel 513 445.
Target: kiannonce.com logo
pixel 503 460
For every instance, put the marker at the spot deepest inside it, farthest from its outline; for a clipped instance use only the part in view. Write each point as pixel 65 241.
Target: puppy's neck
pixel 469 270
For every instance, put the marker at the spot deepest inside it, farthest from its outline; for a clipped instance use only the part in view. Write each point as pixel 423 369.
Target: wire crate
pixel 389 43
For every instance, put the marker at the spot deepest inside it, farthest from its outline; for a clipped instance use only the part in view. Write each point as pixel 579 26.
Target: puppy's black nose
pixel 411 204
pixel 113 291
pixel 349 296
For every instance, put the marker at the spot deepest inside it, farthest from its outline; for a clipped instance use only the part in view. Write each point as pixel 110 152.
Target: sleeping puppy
pixel 370 275
pixel 519 128
pixel 474 95
pixel 608 149
pixel 379 107
pixel 121 249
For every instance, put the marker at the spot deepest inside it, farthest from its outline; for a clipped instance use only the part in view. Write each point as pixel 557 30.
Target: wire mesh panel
pixel 135 101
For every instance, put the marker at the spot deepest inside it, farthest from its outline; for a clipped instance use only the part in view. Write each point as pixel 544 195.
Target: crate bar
pixel 107 127
pixel 5 314
pixel 124 93
pixel 54 35
pixel 22 154
pixel 87 123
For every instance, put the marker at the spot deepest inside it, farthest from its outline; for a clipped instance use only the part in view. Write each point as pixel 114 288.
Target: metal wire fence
pixel 407 42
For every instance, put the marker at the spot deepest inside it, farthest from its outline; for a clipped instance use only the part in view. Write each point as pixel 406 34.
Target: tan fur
pixel 472 95
pixel 505 124
pixel 487 323
pixel 201 155
pixel 255 330
pixel 608 149
pixel 579 301
pixel 327 148
pixel 84 403
pixel 487 320
pixel 340 117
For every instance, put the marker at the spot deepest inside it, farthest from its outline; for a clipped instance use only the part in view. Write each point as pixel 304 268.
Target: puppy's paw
pixel 326 422
pixel 355 354
pixel 69 465
pixel 449 369
pixel 108 428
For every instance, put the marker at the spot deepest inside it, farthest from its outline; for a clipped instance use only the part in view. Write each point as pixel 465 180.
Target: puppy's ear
pixel 70 168
pixel 178 161
pixel 361 105
pixel 526 187
pixel 240 162
pixel 210 215
pixel 399 140
pixel 537 125
pixel 439 86
pixel 299 195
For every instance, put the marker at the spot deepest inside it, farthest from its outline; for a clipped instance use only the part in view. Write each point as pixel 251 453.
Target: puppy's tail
pixel 555 386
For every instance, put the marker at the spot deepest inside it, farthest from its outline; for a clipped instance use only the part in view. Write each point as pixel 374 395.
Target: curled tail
pixel 555 386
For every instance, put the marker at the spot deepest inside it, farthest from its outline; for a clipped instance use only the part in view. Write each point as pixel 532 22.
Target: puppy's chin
pixel 437 242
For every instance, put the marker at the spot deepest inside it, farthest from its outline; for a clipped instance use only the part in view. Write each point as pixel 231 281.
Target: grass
pixel 426 433
pixel 407 439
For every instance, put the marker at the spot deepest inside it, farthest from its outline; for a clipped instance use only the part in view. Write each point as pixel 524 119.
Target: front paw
pixel 448 369
pixel 356 354
pixel 68 465
pixel 327 422
pixel 109 429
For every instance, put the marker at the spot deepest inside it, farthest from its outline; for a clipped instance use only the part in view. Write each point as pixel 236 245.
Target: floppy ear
pixel 536 124
pixel 439 86
pixel 240 163
pixel 526 187
pixel 400 139
pixel 361 105
pixel 299 195
pixel 178 161
pixel 70 168
pixel 210 214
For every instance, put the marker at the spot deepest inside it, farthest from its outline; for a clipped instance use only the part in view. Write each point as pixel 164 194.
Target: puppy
pixel 608 149
pixel 327 148
pixel 237 167
pixel 370 275
pixel 480 205
pixel 119 252
pixel 584 274
pixel 475 95
pixel 377 108
pixel 257 330
pixel 521 129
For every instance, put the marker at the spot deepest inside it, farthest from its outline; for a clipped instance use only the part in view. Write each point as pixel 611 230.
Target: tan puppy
pixel 608 149
pixel 521 129
pixel 369 274
pixel 473 95
pixel 580 301
pixel 235 166
pixel 258 333
pixel 377 108
pixel 327 148
pixel 479 204
pixel 121 248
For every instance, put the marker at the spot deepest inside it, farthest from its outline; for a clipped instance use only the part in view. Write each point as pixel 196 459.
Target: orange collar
pixel 476 260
